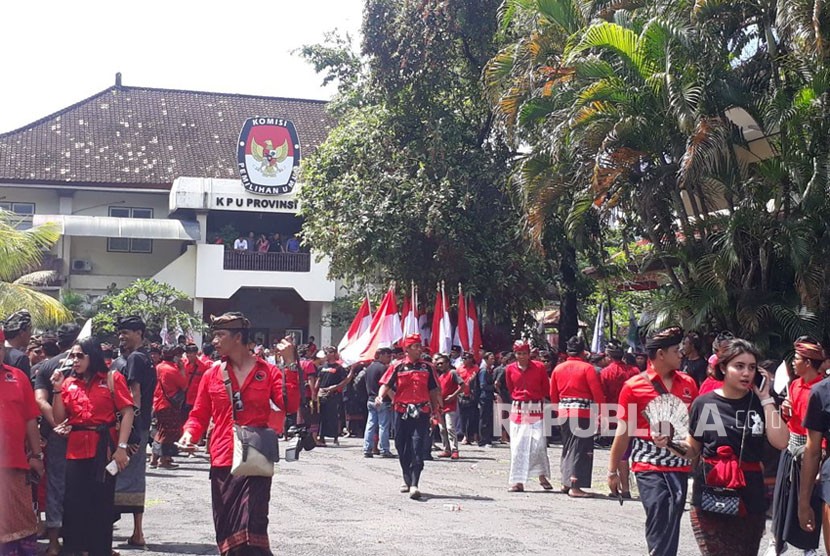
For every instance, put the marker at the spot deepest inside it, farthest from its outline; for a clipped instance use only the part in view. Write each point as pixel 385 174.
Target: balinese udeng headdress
pixel 810 350
pixel 521 345
pixel 665 338
pixel 229 321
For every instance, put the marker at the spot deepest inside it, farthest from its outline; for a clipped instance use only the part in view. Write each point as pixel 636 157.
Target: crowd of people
pixel 264 243
pixel 83 421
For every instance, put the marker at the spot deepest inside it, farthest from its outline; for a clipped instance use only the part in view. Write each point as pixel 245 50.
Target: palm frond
pixel 45 310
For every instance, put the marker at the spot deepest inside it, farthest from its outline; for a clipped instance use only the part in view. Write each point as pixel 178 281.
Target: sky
pixel 57 53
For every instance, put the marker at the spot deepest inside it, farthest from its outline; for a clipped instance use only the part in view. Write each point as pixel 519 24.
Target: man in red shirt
pixel 195 366
pixel 240 503
pixel 417 395
pixel 575 387
pixel 612 379
pixel 662 477
pixel 527 381
pixel 451 387
pixel 19 454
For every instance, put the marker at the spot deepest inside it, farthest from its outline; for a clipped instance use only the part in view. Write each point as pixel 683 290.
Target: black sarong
pixel 785 526
pixel 240 512
pixel 577 453
pixel 330 416
pixel 88 508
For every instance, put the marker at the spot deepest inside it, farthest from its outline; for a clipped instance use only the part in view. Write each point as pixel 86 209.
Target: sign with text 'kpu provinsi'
pixel 268 155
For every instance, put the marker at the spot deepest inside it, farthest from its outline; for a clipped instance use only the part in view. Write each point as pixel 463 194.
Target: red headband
pixel 411 340
pixel 810 350
pixel 521 345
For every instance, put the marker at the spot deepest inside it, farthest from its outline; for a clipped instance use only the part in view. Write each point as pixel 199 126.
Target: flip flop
pixel 546 485
pixel 582 495
pixel 516 488
pixel 131 542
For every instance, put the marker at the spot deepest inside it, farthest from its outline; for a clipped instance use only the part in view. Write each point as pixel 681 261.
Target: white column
pixel 201 218
pixel 198 307
pixel 64 247
pixel 314 323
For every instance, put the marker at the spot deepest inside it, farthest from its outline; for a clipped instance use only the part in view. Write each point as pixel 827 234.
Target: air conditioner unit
pixel 81 265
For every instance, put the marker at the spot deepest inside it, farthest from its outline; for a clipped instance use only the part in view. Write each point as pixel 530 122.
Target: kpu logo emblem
pixel 268 155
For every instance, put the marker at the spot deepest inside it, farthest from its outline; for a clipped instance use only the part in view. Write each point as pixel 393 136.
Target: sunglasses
pixel 76 356
pixel 237 401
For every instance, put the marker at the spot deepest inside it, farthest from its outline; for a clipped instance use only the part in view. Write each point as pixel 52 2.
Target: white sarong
pixel 528 451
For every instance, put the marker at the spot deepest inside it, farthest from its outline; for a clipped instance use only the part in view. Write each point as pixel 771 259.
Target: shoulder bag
pixel 255 449
pixel 721 500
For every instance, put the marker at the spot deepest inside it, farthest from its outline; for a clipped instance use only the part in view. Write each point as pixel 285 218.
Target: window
pixel 125 244
pixel 24 212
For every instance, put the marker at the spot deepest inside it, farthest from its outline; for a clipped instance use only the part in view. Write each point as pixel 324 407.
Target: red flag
pixel 360 324
pixel 384 331
pixel 475 329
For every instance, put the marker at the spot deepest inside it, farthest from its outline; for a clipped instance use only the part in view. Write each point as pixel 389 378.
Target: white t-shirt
pixel 241 244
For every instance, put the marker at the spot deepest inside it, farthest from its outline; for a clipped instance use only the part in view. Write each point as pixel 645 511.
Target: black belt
pixel 104 442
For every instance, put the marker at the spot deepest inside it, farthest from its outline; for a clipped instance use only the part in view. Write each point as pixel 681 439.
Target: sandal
pixel 545 484
pixel 131 542
pixel 516 488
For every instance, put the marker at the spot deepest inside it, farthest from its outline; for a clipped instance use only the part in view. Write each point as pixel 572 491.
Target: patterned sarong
pixel 240 512
pixel 131 484
pixel 18 524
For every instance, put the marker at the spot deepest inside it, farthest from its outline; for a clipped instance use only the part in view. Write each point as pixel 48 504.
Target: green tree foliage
pixel 21 252
pixel 154 302
pixel 411 184
pixel 629 111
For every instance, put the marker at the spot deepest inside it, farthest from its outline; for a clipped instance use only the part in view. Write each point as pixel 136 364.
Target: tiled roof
pixel 147 137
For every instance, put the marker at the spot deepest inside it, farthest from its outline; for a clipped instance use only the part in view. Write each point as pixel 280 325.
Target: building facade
pixel 145 183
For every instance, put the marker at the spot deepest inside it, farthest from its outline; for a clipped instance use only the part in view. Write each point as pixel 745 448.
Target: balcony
pixel 270 262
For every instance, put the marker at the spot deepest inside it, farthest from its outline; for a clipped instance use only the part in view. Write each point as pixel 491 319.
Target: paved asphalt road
pixel 334 501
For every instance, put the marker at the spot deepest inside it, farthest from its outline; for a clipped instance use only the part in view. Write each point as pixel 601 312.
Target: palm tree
pixel 21 251
pixel 626 117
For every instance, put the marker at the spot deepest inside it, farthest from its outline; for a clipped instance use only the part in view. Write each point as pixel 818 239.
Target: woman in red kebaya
pixel 89 401
pixel 240 503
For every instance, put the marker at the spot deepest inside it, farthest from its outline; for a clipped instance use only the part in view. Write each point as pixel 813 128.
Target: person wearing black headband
pixel 612 379
pixel 662 476
pixel 136 366
pixel 576 389
pixel 240 503
pixel 18 330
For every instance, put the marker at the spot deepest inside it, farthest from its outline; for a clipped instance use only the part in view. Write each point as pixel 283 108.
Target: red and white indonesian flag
pixel 384 331
pixel 441 337
pixel 410 314
pixel 468 332
pixel 360 324
pixel 462 335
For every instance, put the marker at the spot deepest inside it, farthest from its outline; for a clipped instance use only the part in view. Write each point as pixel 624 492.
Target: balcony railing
pixel 272 262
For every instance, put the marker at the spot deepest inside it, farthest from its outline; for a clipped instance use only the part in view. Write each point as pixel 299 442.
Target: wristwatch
pixel 123 446
pixel 37 456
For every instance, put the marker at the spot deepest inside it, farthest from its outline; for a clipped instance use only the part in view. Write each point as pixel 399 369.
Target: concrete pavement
pixel 334 501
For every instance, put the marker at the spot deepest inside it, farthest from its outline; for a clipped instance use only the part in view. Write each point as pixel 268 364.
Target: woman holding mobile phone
pixel 807 362
pixel 728 428
pixel 89 401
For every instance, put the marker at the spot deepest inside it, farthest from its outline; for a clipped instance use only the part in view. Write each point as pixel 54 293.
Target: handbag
pixel 721 500
pixel 255 449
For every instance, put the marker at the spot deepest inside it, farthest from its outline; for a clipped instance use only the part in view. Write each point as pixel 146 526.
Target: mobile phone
pixel 112 468
pixel 760 381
